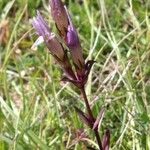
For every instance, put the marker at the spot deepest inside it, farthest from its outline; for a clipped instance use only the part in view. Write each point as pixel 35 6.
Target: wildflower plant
pixel 75 68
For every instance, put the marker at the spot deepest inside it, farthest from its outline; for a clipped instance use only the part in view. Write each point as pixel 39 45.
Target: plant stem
pixel 98 139
pixel 91 117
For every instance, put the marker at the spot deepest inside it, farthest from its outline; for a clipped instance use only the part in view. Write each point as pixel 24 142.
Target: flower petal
pixel 37 42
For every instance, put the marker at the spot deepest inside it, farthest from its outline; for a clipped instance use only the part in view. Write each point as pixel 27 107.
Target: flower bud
pixel 55 47
pixel 75 47
pixel 60 16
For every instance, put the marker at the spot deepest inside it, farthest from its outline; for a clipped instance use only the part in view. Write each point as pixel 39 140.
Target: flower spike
pixel 76 70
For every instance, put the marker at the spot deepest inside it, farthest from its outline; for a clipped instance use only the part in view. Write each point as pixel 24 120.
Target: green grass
pixel 36 109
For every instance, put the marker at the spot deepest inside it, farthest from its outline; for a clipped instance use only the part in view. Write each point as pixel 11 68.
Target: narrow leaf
pixel 83 117
pixel 105 140
pixel 99 117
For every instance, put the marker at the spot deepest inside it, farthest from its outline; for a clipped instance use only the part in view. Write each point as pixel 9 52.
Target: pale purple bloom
pixel 40 25
pixel 50 39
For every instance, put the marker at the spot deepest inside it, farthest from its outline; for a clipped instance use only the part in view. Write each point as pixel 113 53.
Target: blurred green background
pixel 37 109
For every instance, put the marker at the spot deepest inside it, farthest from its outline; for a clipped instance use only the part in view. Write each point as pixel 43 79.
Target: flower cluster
pixel 76 70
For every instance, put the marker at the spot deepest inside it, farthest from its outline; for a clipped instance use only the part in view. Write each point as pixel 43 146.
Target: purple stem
pixel 91 117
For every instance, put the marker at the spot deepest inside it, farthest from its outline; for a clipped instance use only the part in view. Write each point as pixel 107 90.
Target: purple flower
pixel 50 39
pixel 40 26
